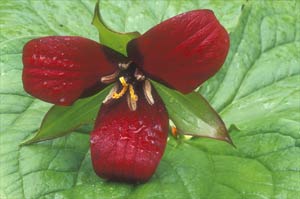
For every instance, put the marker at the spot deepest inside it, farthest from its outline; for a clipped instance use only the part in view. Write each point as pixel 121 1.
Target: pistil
pixel 129 77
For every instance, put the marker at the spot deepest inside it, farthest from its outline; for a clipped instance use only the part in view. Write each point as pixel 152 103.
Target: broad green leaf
pixel 130 16
pixel 264 50
pixel 61 120
pixel 192 114
pixel 263 63
pixel 115 40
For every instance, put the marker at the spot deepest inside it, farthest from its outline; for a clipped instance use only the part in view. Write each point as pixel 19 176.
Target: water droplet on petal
pixel 124 138
pixel 62 99
pixel 45 83
pixel 42 57
pixel 94 139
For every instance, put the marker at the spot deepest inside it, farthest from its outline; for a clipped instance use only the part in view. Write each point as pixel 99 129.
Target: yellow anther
pixel 133 96
pixel 125 85
pixel 123 91
pixel 120 94
pixel 123 82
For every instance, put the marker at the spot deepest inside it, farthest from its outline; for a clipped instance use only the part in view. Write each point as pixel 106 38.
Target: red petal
pixel 128 145
pixel 183 51
pixel 59 69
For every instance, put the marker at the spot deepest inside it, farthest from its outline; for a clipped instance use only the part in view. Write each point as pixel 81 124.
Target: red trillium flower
pixel 131 129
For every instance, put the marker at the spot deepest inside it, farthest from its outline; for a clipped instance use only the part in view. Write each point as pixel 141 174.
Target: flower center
pixel 124 89
pixel 128 78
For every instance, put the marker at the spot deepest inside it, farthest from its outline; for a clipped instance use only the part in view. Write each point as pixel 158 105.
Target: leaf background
pixel 257 90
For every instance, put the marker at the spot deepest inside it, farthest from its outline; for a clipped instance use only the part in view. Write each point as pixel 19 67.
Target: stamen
pixel 110 94
pixel 120 94
pixel 123 81
pixel 124 66
pixel 133 96
pixel 110 78
pixel 132 105
pixel 148 92
pixel 139 75
pixel 123 91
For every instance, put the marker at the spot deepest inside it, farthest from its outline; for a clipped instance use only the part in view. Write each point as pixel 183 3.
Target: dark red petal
pixel 128 145
pixel 183 51
pixel 59 69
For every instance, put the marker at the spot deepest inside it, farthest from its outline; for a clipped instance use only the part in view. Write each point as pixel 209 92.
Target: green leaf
pixel 192 114
pixel 257 90
pixel 61 120
pixel 262 53
pixel 115 40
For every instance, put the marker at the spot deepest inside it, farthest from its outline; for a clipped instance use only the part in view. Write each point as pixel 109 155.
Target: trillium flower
pixel 131 129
